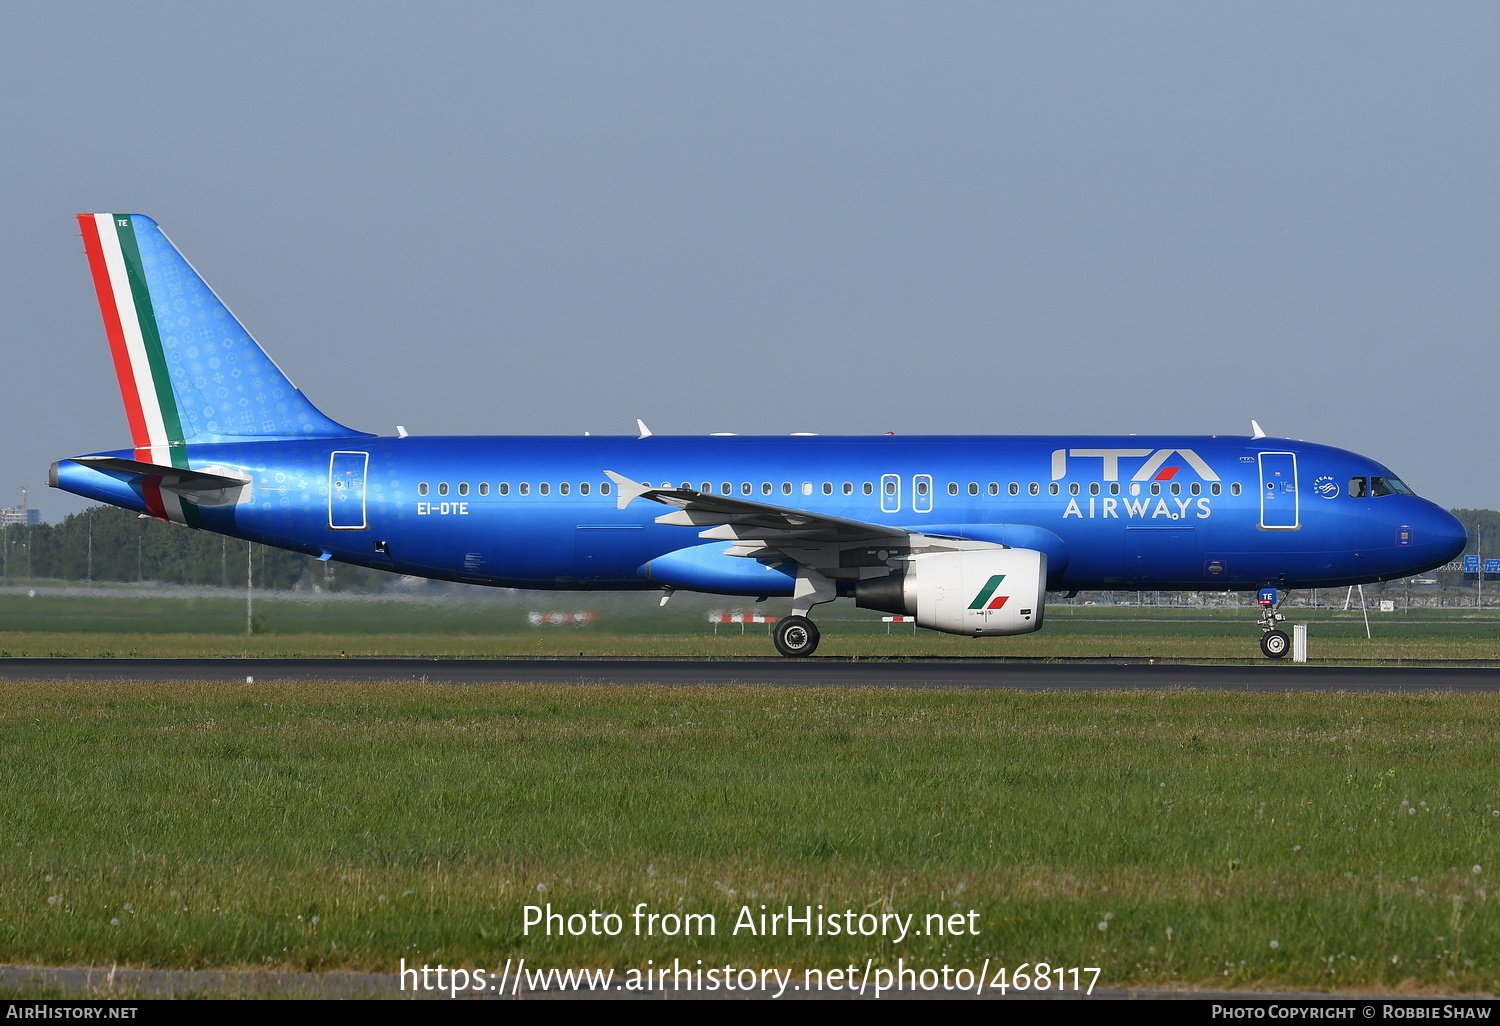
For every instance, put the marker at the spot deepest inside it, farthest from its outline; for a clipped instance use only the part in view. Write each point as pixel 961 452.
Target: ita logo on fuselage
pixel 1153 468
pixel 1157 467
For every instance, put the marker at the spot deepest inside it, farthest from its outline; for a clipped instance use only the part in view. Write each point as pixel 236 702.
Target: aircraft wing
pixel 732 519
pixel 826 548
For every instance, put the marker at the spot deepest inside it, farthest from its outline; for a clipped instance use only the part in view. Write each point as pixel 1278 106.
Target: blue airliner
pixel 966 533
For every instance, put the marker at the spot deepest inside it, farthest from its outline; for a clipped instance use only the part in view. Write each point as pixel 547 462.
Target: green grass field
pixel 1183 838
pixel 68 622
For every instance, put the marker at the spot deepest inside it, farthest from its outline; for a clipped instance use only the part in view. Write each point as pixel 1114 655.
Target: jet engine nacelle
pixel 979 592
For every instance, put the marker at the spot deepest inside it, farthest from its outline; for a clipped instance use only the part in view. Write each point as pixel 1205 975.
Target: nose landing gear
pixel 1274 643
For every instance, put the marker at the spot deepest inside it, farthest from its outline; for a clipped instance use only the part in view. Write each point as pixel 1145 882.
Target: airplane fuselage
pixel 964 533
pixel 1114 512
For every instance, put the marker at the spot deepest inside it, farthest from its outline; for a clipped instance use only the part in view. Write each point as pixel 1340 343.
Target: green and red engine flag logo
pixel 984 599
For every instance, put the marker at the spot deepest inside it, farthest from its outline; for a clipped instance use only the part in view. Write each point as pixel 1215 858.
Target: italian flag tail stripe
pixel 139 437
pixel 134 340
pixel 166 505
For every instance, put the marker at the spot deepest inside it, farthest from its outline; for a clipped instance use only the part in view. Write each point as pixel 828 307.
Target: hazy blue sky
pixel 775 217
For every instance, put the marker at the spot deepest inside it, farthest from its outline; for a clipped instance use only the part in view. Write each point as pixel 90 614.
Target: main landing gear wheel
pixel 1275 644
pixel 796 636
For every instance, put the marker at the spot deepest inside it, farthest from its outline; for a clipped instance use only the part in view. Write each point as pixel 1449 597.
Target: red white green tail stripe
pixel 134 338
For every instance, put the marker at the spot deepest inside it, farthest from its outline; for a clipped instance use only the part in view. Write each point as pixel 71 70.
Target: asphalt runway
pixel 915 673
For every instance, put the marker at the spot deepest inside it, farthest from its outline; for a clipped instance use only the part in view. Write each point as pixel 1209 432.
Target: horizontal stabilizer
pixel 195 480
pixel 168 493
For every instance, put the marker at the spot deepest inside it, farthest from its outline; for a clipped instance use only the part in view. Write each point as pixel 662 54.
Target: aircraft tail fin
pixel 188 370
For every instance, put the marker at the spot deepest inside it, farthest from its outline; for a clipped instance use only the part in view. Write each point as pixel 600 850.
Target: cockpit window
pixel 1389 486
pixel 1362 487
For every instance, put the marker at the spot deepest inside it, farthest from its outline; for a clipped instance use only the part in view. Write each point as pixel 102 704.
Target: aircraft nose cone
pixel 1446 534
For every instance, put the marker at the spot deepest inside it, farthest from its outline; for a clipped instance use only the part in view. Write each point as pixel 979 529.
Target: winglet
pixel 640 424
pixel 628 489
pixel 1255 431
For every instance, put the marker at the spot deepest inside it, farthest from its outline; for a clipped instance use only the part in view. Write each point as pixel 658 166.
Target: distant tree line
pixel 105 543
pixel 1482 524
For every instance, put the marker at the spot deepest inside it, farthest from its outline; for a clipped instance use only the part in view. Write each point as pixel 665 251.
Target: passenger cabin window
pixel 973 487
pixel 1155 488
pixel 1015 489
pixel 1114 488
pixel 868 488
pixel 994 487
pixel 443 488
pixel 827 487
pixel 1176 488
pixel 726 488
pixel 890 488
pixel 745 488
pixel 1053 488
pixel 484 488
pixel 463 488
pixel 1033 489
pixel 604 488
pixel 562 489
pixel 1214 488
pixel 848 487
pixel 583 488
pixel 1195 488
pixel 786 488
pixel 544 488
pixel 765 488
pixel 1073 488
pixel 1234 489
pixel 422 488
pixel 1093 487
pixel 524 488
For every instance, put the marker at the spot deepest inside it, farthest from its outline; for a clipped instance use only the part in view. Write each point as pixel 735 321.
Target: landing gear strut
pixel 1274 643
pixel 796 636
